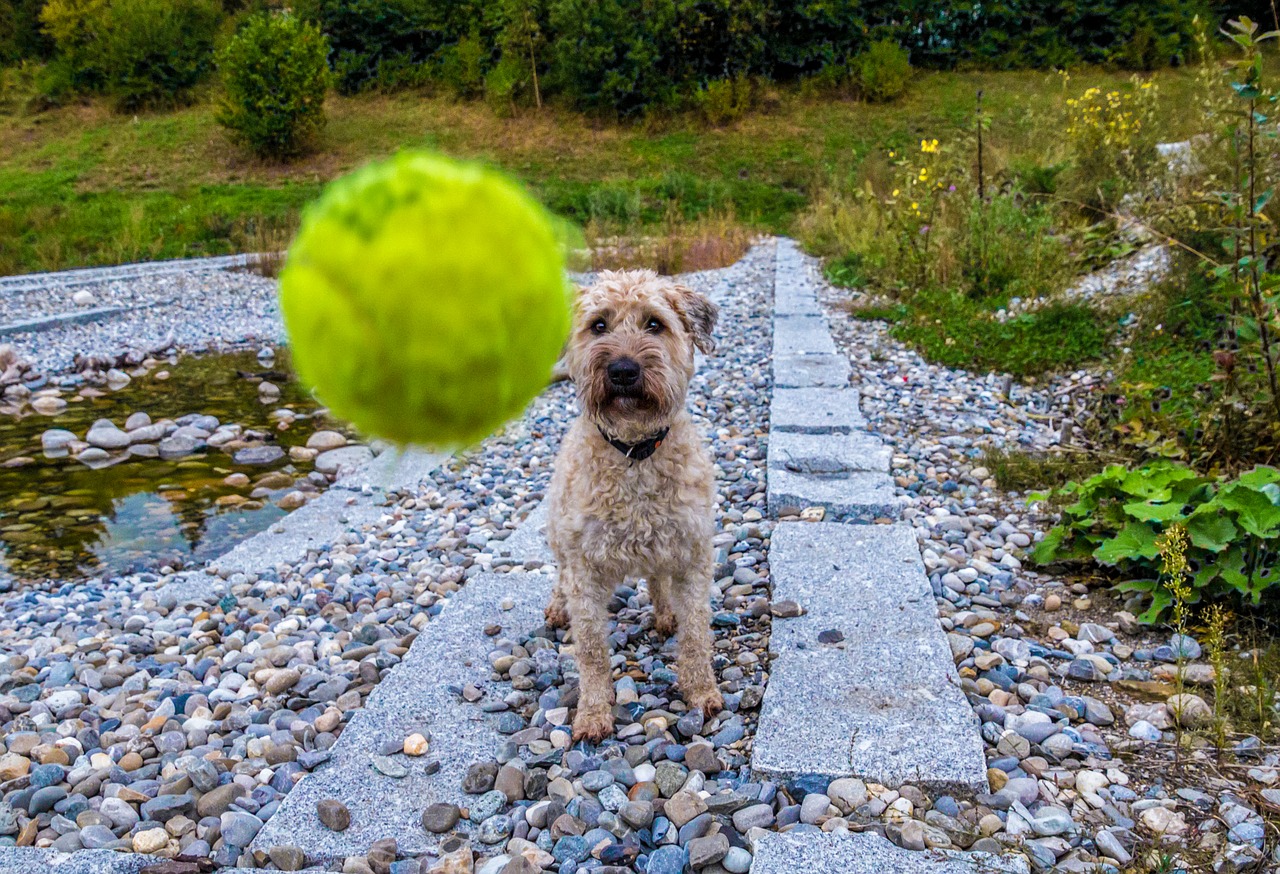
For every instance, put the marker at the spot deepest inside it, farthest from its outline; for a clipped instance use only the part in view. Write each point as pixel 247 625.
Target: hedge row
pixel 625 56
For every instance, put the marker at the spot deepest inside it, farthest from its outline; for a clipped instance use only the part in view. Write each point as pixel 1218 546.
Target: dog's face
pixel 631 351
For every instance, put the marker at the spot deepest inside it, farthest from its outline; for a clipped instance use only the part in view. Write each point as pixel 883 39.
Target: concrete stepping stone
pixel 802 335
pixel 868 853
pixel 863 683
pixel 816 411
pixel 528 543
pixel 847 474
pixel 451 651
pixel 32 860
pixel 810 371
pixel 57 320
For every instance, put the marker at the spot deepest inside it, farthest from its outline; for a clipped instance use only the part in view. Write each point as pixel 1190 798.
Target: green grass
pixel 1021 471
pixel 954 331
pixel 81 185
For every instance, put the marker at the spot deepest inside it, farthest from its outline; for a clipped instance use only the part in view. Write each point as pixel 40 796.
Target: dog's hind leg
pixel 664 618
pixel 589 619
pixel 692 603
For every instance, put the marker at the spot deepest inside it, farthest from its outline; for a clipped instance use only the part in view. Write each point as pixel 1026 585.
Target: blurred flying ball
pixel 425 299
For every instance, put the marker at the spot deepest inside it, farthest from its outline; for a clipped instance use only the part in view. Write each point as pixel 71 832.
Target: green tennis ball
pixel 425 299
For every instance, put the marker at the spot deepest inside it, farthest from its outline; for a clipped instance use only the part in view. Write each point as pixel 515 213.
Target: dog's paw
pixel 665 624
pixel 592 725
pixel 710 703
pixel 557 616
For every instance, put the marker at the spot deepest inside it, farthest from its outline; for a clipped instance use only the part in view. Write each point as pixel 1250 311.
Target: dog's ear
pixel 698 314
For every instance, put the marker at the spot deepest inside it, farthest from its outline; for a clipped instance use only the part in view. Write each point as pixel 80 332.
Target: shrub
pixel 611 58
pixel 75 26
pixel 383 44
pixel 724 100
pixel 1116 518
pixel 1007 248
pixel 463 65
pixel 21 37
pixel 883 71
pixel 148 53
pixel 1112 141
pixel 275 73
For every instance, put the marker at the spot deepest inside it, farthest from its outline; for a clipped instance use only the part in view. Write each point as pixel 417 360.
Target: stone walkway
pixel 862 682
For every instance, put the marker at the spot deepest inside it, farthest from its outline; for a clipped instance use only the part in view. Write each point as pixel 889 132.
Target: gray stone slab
pixel 845 473
pixel 884 703
pixel 30 860
pixel 802 335
pixel 869 853
pixel 309 527
pixel 858 497
pixel 89 275
pixel 355 500
pixel 395 469
pixel 450 651
pixel 827 454
pixel 528 543
pixel 44 323
pixel 810 371
pixel 796 300
pixel 815 410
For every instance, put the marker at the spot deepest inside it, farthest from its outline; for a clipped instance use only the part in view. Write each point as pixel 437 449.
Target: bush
pixel 148 53
pixel 76 28
pixel 1118 517
pixel 611 60
pixel 21 37
pixel 275 73
pixel 385 44
pixel 1008 249
pixel 883 71
pixel 724 100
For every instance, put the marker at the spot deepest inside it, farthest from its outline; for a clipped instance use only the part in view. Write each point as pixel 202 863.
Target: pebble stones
pixel 440 818
pixel 333 814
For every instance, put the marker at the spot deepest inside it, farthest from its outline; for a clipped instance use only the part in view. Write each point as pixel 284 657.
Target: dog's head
pixel 632 349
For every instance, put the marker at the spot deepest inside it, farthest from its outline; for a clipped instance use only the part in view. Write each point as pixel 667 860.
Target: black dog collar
pixel 636 451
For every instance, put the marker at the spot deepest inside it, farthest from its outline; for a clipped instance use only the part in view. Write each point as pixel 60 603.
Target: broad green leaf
pixel 1146 511
pixel 1047 549
pixel 1254 511
pixel 1210 529
pixel 1135 540
pixel 1259 477
pixel 1161 600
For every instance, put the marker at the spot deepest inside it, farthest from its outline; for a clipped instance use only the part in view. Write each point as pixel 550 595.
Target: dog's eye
pixel 653 326
pixel 599 326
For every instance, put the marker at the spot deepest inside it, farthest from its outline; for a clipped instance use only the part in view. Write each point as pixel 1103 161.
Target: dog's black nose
pixel 623 372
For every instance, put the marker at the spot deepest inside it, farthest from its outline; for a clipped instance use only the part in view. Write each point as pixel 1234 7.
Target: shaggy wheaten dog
pixel 633 489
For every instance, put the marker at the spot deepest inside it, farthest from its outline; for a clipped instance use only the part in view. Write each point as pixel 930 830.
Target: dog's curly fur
pixel 612 518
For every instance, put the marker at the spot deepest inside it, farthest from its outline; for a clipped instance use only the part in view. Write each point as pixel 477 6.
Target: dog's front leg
pixel 589 620
pixel 692 601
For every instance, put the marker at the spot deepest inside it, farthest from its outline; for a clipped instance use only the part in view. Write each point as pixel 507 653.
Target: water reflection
pixel 61 519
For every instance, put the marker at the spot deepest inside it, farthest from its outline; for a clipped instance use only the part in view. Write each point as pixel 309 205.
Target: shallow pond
pixel 61 519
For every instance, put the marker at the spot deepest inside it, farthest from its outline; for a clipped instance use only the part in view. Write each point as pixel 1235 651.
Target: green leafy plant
pixel 154 52
pixel 1117 517
pixel 883 71
pixel 275 74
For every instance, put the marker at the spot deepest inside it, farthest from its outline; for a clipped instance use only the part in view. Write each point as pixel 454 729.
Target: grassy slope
pixel 81 185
